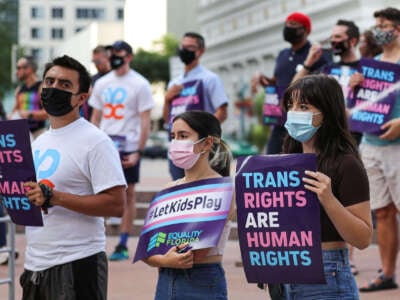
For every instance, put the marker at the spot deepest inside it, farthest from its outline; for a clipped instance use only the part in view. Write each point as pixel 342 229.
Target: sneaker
pixel 120 253
pixel 4 256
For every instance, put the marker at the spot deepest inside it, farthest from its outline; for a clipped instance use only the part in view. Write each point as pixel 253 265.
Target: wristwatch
pixel 300 67
pixel 141 152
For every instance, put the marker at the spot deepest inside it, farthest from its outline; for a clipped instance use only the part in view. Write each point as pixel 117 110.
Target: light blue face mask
pixel 299 125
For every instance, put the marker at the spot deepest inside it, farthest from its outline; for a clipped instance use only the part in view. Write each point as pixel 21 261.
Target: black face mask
pixel 338 48
pixel 56 102
pixel 291 34
pixel 116 61
pixel 186 56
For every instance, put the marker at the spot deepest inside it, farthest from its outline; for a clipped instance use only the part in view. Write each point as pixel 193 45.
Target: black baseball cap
pixel 122 45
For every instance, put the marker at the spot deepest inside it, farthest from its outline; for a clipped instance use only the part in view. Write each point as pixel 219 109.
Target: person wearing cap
pixel 122 102
pixel 209 89
pixel 296 31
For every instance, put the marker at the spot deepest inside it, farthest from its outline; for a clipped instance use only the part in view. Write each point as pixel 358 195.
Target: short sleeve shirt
pixel 122 99
pixel 213 90
pixel 82 160
pixel 349 185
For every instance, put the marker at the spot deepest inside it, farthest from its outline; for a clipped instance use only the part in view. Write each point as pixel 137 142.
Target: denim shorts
pixel 340 283
pixel 203 281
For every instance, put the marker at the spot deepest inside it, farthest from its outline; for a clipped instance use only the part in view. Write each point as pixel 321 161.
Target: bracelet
pixel 141 152
pixel 47 189
pixel 308 68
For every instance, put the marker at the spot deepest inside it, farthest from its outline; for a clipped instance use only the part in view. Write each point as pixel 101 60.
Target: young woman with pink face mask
pixel 196 146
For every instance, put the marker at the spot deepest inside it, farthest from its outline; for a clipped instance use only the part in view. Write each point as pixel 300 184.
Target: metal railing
pixel 10 280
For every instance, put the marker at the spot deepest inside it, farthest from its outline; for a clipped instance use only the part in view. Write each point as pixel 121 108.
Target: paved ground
pixel 137 281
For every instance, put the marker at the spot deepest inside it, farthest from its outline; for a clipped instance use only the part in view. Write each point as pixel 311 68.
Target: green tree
pixel 8 37
pixel 154 65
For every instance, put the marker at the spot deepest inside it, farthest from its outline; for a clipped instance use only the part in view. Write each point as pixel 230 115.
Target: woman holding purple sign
pixel 317 124
pixel 196 146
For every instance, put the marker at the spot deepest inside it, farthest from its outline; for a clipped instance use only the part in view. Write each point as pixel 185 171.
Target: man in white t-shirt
pixel 122 102
pixel 80 181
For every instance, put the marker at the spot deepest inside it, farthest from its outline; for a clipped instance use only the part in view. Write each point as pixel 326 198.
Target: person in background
pixel 80 181
pixel 27 97
pixel 344 39
pixel 381 154
pixel 122 102
pixel 297 28
pixel 368 47
pixel 214 97
pixel 101 60
pixel 317 123
pixel 195 274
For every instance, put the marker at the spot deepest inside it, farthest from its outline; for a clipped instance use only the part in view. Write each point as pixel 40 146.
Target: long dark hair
pixel 206 124
pixel 333 138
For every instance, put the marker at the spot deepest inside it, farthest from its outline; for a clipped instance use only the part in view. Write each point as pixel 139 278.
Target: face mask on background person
pixel 116 61
pixel 299 125
pixel 56 102
pixel 338 48
pixel 186 56
pixel 181 152
pixel 291 34
pixel 383 37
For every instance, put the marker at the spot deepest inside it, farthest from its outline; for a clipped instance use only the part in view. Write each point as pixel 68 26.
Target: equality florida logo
pixel 173 238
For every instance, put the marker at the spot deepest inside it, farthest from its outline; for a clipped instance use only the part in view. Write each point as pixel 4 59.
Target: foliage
pixel 259 133
pixel 168 44
pixel 154 65
pixel 8 37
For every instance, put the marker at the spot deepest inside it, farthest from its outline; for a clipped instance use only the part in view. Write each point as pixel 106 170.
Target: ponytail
pixel 220 157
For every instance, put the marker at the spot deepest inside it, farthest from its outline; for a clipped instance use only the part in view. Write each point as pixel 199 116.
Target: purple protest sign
pixel 272 111
pixel 278 219
pixel 194 212
pixel 16 167
pixel 373 100
pixel 190 98
pixel 342 74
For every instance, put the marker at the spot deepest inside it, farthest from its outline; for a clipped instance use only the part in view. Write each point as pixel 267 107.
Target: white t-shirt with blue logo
pixel 78 159
pixel 122 99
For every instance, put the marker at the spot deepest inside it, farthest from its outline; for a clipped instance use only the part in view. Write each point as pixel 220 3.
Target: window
pixel 57 33
pixel 57 13
pixel 78 29
pixel 37 12
pixel 36 33
pixel 37 53
pixel 90 13
pixel 120 14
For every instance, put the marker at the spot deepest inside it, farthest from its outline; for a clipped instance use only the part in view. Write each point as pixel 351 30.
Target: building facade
pixel 45 24
pixel 245 36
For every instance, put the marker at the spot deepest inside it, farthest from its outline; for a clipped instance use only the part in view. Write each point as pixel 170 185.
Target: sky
pixel 145 21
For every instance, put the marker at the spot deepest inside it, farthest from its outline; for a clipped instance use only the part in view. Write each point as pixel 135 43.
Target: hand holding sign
pixel 392 130
pixel 16 166
pixel 319 184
